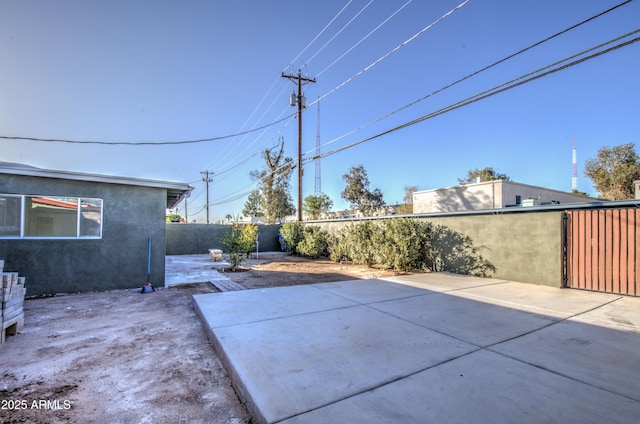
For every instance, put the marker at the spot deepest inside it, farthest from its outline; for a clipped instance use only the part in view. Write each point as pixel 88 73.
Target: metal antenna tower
pixel 318 187
pixel 574 174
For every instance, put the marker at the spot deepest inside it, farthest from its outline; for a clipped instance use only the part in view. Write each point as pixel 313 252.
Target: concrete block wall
pixel 524 247
pixel 193 239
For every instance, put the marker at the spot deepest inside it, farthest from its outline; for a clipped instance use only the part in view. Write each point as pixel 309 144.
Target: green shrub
pixel 401 244
pixel 358 243
pixel 336 248
pixel 314 242
pixel 293 234
pixel 239 241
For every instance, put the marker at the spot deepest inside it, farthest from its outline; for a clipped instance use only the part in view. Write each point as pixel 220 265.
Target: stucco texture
pixel 524 247
pixel 131 214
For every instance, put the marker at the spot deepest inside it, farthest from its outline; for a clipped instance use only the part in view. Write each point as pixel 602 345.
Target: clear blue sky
pixel 162 71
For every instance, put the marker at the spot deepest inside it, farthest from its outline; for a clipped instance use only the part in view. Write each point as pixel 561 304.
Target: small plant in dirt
pixel 293 234
pixel 239 241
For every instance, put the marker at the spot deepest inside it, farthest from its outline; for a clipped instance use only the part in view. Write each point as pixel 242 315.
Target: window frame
pixel 80 201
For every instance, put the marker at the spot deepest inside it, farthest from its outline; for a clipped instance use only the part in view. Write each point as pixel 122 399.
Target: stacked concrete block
pixel 12 298
pixel 215 255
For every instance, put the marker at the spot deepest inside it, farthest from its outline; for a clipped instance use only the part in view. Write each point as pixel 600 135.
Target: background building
pixel 490 195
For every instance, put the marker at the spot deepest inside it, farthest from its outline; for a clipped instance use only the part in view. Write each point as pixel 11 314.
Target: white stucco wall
pixel 488 195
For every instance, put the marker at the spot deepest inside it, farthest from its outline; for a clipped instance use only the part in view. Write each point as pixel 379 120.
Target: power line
pixel 277 97
pixel 144 143
pixel 471 99
pixel 317 36
pixel 231 170
pixel 492 92
pixel 364 38
pixel 336 34
pixel 278 172
pixel 511 56
pixel 392 51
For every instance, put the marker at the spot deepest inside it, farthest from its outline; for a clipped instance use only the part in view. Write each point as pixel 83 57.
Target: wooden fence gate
pixel 602 250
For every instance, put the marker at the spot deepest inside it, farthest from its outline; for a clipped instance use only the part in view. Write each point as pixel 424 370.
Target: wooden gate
pixel 602 250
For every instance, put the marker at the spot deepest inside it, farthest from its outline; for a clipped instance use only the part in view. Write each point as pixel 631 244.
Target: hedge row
pixel 401 244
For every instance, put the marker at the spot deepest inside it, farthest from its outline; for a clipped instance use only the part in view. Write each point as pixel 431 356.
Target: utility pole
pixel 299 99
pixel 207 178
pixel 186 212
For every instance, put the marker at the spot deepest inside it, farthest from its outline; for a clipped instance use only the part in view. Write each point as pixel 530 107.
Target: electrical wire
pixel 392 51
pixel 226 153
pixel 317 36
pixel 511 56
pixel 363 39
pixel 336 34
pixel 516 82
pixel 234 168
pixel 145 143
pixel 281 171
pixel 248 145
pixel 529 77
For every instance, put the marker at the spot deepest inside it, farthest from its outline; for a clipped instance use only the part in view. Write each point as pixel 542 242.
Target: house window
pixel 10 212
pixel 50 217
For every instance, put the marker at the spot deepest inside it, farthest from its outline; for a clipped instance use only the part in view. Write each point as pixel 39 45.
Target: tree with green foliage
pixel 275 197
pixel 315 205
pixel 253 206
pixel 239 241
pixel 174 217
pixel 407 207
pixel 614 170
pixel 313 243
pixel 485 174
pixel 292 233
pixel 358 194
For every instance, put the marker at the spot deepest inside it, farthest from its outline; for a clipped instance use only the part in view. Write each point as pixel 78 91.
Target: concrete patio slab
pixel 234 308
pixel 479 323
pixel 185 269
pixel 538 299
pixel 372 290
pixel 480 387
pixel 443 281
pixel 622 314
pixel 335 354
pixel 439 348
pixel 592 354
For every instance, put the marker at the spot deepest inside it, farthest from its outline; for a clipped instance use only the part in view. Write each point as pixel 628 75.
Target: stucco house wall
pixel 133 210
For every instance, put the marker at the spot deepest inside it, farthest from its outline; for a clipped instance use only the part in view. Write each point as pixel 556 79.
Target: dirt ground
pixel 276 269
pixel 126 357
